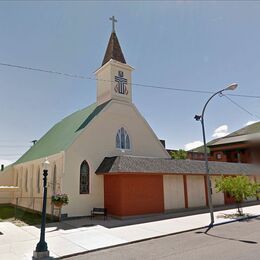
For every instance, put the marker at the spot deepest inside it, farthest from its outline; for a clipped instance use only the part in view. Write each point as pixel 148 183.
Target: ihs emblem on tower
pixel 121 85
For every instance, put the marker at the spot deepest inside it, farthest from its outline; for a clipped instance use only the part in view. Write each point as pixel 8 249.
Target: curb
pixel 156 237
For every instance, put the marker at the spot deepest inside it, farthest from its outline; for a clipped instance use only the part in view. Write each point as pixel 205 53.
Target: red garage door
pixel 133 194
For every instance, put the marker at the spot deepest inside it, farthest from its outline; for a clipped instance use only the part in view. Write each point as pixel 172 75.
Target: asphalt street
pixel 237 240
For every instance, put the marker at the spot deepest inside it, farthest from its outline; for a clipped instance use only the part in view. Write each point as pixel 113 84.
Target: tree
pixel 239 187
pixel 179 154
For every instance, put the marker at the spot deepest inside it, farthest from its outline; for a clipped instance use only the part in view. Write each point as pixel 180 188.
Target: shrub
pixel 238 187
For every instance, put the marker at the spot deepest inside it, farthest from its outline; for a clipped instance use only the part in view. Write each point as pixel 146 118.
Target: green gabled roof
pixel 250 129
pixel 61 135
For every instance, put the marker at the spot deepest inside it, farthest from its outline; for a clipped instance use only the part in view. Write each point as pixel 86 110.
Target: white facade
pixel 28 177
pixel 95 143
pixel 108 88
pixel 173 188
pixel 196 191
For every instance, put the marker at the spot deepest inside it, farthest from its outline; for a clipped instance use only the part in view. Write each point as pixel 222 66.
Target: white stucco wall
pixel 32 196
pixel 173 192
pixel 217 197
pixel 196 191
pixel 106 81
pixel 252 179
pixel 6 179
pixel 98 141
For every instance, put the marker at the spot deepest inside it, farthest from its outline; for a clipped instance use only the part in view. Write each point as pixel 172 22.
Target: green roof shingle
pixel 61 135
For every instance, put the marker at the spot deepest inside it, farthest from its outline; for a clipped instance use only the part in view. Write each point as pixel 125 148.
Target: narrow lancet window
pixel 84 178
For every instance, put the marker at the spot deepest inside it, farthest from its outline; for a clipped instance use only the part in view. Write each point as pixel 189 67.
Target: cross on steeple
pixel 113 50
pixel 113 19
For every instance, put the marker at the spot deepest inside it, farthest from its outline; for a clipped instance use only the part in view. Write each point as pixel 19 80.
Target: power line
pixel 12 155
pixel 22 142
pixel 134 84
pixel 241 107
pixel 13 146
pixel 45 71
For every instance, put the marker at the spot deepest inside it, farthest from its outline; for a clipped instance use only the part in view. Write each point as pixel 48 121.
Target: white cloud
pixel 220 131
pixel 5 162
pixel 192 145
pixel 250 123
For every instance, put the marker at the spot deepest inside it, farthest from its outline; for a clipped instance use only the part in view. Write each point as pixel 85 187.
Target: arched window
pixel 84 178
pixel 54 178
pixel 20 180
pixel 122 139
pixel 26 181
pixel 38 180
pixel 17 177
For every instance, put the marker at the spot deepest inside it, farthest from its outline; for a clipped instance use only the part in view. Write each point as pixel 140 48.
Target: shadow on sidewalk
pixel 112 222
pixel 227 238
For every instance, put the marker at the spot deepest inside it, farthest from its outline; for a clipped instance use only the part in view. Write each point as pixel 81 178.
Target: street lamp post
pixel 201 119
pixel 42 247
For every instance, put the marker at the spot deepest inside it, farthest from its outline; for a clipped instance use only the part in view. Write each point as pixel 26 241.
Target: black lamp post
pixel 201 119
pixel 42 248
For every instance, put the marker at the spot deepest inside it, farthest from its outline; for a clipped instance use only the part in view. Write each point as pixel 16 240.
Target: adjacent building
pixel 242 146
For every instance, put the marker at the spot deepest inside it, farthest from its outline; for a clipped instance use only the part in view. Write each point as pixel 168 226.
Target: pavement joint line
pixel 156 237
pixel 84 248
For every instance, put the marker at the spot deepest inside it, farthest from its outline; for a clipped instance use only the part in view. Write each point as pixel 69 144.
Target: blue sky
pixel 195 45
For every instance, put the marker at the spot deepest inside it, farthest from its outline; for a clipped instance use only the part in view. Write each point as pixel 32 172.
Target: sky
pixel 197 45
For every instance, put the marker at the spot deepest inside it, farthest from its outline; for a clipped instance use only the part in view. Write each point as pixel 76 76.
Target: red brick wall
pixel 133 194
pixel 232 156
pixel 215 157
pixel 228 199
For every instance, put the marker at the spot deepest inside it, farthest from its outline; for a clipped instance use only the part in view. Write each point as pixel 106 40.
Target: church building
pixel 107 155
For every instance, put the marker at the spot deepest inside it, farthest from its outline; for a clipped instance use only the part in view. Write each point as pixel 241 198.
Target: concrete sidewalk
pixel 72 237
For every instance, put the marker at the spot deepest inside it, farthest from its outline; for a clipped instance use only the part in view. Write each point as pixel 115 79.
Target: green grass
pixel 20 217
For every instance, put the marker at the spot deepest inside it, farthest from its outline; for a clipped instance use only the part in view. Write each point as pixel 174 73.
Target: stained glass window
pixel 38 180
pixel 122 139
pixel 54 178
pixel 84 178
pixel 118 140
pixel 26 181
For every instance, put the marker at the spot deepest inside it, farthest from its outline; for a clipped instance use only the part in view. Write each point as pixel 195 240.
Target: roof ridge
pixel 239 132
pixel 62 134
pixel 77 111
pixel 128 164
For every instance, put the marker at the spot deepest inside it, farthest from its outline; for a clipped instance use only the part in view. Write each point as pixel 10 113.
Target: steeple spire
pixel 113 50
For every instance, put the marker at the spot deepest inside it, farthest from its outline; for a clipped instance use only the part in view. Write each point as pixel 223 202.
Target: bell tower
pixel 114 75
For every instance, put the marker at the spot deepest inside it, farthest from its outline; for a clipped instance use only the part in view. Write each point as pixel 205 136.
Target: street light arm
pixel 204 108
